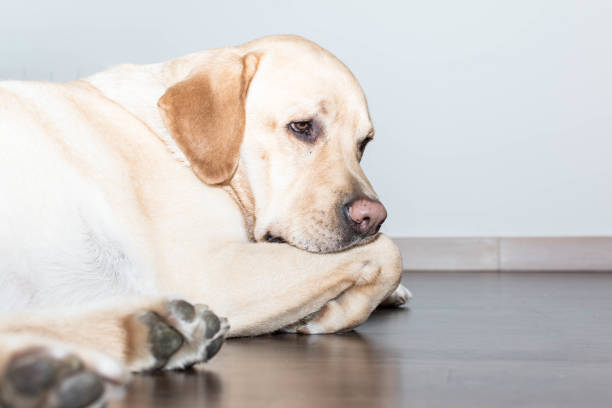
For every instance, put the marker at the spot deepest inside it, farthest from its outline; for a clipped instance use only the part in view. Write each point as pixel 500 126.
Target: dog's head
pixel 283 123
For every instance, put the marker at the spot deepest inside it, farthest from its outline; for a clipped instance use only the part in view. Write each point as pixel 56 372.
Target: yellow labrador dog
pixel 229 177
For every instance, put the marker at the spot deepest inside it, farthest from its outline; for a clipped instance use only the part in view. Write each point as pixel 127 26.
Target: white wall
pixel 493 118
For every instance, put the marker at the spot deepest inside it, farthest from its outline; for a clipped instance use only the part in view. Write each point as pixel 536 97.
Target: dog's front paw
pixel 174 334
pixel 377 269
pixel 399 297
pixel 59 376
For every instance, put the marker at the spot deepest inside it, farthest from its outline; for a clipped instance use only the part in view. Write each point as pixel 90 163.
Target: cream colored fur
pixel 103 215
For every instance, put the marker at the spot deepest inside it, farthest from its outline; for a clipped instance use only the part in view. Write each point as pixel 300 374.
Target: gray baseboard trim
pixel 507 254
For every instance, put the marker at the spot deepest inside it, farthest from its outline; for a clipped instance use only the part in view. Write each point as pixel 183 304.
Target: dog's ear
pixel 205 115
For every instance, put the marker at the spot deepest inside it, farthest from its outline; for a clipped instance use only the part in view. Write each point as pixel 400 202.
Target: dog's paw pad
pixel 80 390
pixel 180 334
pixel 31 373
pixel 213 347
pixel 164 340
pixel 183 310
pixel 213 324
pixel 41 377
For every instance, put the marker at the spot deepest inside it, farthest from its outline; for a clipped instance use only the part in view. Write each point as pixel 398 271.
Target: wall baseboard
pixel 507 254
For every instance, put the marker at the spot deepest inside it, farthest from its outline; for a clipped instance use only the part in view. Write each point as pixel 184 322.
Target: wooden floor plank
pixel 467 340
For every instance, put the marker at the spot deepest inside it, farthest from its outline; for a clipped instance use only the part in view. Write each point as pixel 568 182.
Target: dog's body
pixel 119 187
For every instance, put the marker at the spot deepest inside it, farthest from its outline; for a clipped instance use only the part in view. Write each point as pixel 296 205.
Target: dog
pixel 229 177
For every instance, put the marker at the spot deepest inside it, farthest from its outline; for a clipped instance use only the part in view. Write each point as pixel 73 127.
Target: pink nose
pixel 366 215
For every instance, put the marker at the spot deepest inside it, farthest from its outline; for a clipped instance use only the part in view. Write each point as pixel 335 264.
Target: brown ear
pixel 205 115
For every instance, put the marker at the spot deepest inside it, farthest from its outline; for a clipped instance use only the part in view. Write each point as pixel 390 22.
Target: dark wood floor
pixel 467 340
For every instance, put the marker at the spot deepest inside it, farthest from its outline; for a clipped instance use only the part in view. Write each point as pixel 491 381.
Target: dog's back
pixel 57 244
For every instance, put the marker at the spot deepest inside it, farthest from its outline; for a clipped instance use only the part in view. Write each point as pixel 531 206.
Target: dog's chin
pixel 319 247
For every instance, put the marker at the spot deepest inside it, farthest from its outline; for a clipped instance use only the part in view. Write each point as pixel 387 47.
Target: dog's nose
pixel 366 216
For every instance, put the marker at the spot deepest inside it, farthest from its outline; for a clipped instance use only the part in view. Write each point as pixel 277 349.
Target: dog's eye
pixel 303 129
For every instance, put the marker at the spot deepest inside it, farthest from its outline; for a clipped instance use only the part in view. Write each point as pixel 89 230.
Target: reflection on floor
pixel 467 340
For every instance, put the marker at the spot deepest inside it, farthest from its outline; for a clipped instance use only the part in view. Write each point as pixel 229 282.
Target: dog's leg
pixel 265 287
pixel 333 316
pixel 142 334
pixel 354 305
